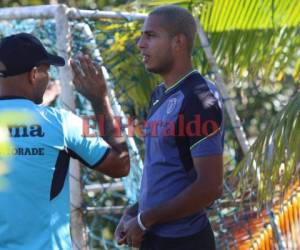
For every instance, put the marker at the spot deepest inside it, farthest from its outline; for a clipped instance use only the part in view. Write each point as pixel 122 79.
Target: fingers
pixel 75 69
pixel 88 80
pixel 128 241
pixel 84 62
pixel 89 69
pixel 78 77
pixel 120 235
pixel 121 241
pixel 134 236
pixel 98 69
pixel 132 242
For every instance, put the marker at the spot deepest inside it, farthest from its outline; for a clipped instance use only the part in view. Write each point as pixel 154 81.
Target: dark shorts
pixel 203 240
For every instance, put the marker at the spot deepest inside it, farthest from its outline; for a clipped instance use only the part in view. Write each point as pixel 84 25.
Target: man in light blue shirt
pixel 34 207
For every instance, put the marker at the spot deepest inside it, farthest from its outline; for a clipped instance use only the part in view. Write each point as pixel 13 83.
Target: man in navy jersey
pixel 184 136
pixel 35 205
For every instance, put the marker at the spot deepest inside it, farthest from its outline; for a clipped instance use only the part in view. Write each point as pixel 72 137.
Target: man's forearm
pixel 188 202
pixel 102 108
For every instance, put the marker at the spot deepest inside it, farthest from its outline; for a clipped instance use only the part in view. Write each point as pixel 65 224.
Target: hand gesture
pixel 52 91
pixel 120 235
pixel 133 233
pixel 89 81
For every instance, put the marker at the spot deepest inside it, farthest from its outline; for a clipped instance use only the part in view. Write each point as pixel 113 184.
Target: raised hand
pixel 52 92
pixel 89 81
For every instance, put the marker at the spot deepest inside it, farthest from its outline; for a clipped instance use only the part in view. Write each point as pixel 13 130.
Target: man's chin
pixel 152 70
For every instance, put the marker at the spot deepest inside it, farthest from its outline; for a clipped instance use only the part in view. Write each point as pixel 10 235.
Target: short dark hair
pixel 178 21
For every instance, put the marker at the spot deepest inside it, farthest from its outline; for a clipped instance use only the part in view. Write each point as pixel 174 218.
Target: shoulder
pixel 49 113
pixel 201 101
pixel 201 91
pixel 60 117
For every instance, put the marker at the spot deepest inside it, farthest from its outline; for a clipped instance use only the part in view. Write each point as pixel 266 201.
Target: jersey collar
pixel 180 80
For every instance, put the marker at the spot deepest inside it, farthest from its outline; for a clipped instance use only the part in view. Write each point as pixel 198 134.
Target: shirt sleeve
pixel 90 151
pixel 203 119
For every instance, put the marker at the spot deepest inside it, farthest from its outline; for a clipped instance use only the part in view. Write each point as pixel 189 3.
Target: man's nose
pixel 141 43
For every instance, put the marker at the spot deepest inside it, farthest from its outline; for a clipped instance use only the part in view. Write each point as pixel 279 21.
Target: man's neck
pixel 11 93
pixel 175 75
pixel 14 86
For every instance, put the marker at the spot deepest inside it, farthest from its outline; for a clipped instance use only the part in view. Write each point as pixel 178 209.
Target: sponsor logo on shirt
pixel 26 131
pixel 171 105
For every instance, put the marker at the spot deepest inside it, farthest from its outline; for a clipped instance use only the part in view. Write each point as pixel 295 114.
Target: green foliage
pixel 273 161
pixel 133 84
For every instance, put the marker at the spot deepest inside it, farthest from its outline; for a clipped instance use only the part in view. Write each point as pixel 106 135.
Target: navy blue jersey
pixel 184 121
pixel 35 205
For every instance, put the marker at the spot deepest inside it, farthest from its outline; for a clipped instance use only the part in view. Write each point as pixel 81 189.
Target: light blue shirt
pixel 35 206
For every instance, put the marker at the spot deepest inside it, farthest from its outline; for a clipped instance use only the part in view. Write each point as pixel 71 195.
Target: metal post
pixel 234 118
pixel 67 97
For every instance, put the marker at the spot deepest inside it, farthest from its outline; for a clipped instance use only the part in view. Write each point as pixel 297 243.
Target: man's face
pixel 42 79
pixel 155 45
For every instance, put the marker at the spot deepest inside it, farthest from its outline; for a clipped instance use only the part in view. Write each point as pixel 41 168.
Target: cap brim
pixel 55 60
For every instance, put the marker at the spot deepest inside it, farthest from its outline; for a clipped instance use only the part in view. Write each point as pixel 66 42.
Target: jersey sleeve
pixel 90 151
pixel 203 119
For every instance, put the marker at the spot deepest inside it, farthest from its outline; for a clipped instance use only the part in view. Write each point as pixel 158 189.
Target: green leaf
pixel 274 158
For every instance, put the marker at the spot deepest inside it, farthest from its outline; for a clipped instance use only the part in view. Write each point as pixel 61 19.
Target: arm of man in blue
pixel 90 82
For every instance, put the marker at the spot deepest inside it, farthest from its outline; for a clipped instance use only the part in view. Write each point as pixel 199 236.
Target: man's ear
pixel 32 75
pixel 179 42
